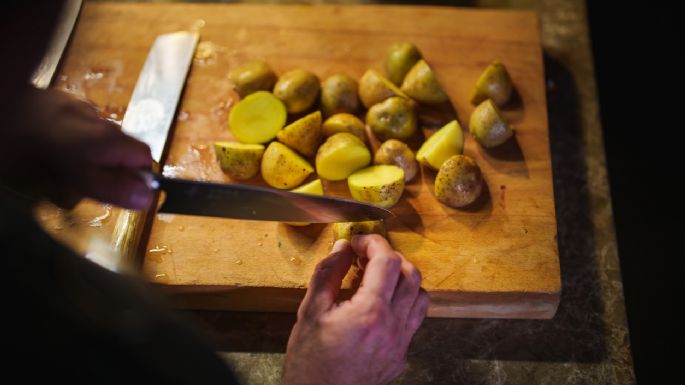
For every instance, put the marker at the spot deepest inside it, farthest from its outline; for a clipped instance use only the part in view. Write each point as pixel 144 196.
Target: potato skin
pixel 422 85
pixel 494 83
pixel 344 122
pixel 329 168
pixel 399 59
pixel 298 90
pixel 346 230
pixel 303 135
pixel 283 168
pixel 338 95
pixel 488 126
pixel 251 77
pixel 399 154
pixel 239 163
pixel 459 181
pixel 374 88
pixel 393 118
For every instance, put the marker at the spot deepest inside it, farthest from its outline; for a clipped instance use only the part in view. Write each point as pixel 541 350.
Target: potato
pixel 339 94
pixel 445 143
pixel 422 85
pixel 380 185
pixel 344 123
pixel 341 155
pixel 374 88
pixel 252 77
pixel 346 230
pixel 393 118
pixel 257 118
pixel 240 161
pixel 303 135
pixel 494 83
pixel 488 126
pixel 315 188
pixel 459 181
pixel 399 59
pixel 399 154
pixel 283 168
pixel 298 90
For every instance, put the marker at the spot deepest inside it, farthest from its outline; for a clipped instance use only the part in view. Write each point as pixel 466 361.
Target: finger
pixel 383 268
pixel 124 151
pixel 326 280
pixel 416 315
pixel 407 290
pixel 122 187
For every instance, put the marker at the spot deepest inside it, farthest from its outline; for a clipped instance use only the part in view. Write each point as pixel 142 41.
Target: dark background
pixel 639 69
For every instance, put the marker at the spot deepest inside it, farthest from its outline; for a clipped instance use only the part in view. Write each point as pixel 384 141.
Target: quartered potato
pixel 374 88
pixel 252 77
pixel 399 154
pixel 380 185
pixel 422 85
pixel 283 168
pixel 443 144
pixel 302 135
pixel 341 155
pixel 488 126
pixel 315 188
pixel 399 59
pixel 298 90
pixel 257 118
pixel 344 123
pixel 346 230
pixel 459 181
pixel 240 161
pixel 393 118
pixel 494 83
pixel 338 95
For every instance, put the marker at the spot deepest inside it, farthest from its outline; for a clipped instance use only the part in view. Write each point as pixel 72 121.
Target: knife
pixel 257 203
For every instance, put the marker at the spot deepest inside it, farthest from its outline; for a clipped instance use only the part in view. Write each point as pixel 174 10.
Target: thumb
pixel 326 280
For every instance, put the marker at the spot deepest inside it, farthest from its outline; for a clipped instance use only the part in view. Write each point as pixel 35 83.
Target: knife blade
pixel 258 203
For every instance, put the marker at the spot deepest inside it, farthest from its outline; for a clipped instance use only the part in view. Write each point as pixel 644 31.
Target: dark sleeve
pixel 71 319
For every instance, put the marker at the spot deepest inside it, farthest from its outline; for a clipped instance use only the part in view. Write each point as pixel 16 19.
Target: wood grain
pixel 496 259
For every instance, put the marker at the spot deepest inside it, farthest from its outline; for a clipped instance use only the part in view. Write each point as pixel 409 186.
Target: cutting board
pixel 495 259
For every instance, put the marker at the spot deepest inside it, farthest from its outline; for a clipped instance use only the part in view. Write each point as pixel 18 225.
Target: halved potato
pixel 239 160
pixel 399 154
pixel 422 85
pixel 298 90
pixel 339 94
pixel 494 83
pixel 374 88
pixel 380 185
pixel 399 59
pixel 393 118
pixel 283 168
pixel 302 135
pixel 344 123
pixel 257 118
pixel 488 126
pixel 251 77
pixel 446 142
pixel 315 188
pixel 346 230
pixel 341 155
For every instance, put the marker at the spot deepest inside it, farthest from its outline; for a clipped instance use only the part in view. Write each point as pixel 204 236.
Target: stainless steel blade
pixel 259 203
pixel 42 76
pixel 153 104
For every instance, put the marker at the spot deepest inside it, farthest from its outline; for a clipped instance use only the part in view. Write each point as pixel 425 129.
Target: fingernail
pixel 339 245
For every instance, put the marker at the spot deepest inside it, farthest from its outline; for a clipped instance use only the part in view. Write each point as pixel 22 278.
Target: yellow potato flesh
pixel 380 185
pixel 346 230
pixel 283 168
pixel 341 155
pixel 446 142
pixel 315 188
pixel 257 118
pixel 302 135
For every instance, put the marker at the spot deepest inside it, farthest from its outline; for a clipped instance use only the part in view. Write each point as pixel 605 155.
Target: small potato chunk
pixel 240 161
pixel 399 154
pixel 344 123
pixel 298 90
pixel 338 95
pixel 494 83
pixel 374 88
pixel 283 168
pixel 445 143
pixel 381 185
pixel 459 181
pixel 252 77
pixel 315 188
pixel 257 118
pixel 399 59
pixel 488 126
pixel 341 155
pixel 346 230
pixel 422 85
pixel 302 135
pixel 393 118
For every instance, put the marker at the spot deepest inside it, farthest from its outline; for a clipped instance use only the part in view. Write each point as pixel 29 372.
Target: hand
pixel 65 151
pixel 363 340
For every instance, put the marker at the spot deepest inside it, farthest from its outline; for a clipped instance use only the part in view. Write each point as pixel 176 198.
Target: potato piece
pixel 341 155
pixel 339 94
pixel 400 58
pixel 344 123
pixel 459 181
pixel 381 185
pixel 399 154
pixel 346 230
pixel 283 168
pixel 252 77
pixel 298 90
pixel 240 161
pixel 393 118
pixel 422 85
pixel 488 126
pixel 315 188
pixel 446 142
pixel 374 88
pixel 257 118
pixel 303 135
pixel 494 83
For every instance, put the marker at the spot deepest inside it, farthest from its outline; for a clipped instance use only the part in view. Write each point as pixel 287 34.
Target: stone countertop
pixel 587 342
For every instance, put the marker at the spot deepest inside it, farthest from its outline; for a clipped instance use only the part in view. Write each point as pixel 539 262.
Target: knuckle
pixel 414 275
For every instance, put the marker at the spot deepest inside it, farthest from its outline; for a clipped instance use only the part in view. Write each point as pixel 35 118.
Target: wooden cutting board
pixel 497 259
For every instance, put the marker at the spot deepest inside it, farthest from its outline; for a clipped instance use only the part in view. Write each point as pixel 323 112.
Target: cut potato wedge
pixel 344 122
pixel 314 187
pixel 380 185
pixel 488 126
pixel 303 135
pixel 422 85
pixel 283 168
pixel 257 118
pixel 346 230
pixel 446 142
pixel 240 161
pixel 374 88
pixel 341 155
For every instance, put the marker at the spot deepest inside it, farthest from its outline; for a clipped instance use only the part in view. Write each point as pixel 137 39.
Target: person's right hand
pixel 364 340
